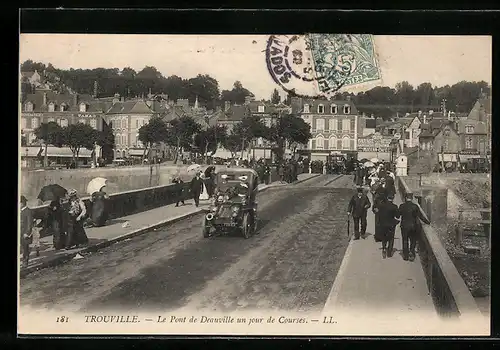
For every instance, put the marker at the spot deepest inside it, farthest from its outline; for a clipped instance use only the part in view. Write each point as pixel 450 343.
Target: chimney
pixel 227 105
pixel 372 116
pixel 248 99
pixel 150 94
pixel 296 104
pixel 425 119
pixel 116 98
pixel 44 98
pixel 75 99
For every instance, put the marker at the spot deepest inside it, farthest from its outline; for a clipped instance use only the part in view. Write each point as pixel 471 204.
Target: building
pixel 440 141
pixel 64 109
pixel 475 131
pixel 126 118
pixel 334 126
pixel 33 78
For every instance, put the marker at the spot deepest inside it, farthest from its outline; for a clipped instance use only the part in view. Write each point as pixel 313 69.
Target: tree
pixel 232 143
pixel 154 132
pixel 292 129
pixel 31 66
pixel 79 135
pixel 209 139
pixel 51 134
pixel 181 134
pixel 205 88
pixel 106 140
pixel 249 129
pixel 275 97
pixel 237 95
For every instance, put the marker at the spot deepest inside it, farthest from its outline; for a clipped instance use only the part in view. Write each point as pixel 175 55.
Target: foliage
pixel 181 134
pixel 209 139
pixel 233 143
pixel 236 95
pixel 51 133
pixel 153 132
pixel 79 135
pixel 275 97
pixel 251 128
pixel 292 129
pixel 106 140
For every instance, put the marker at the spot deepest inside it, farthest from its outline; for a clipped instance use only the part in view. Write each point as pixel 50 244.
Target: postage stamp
pixel 316 65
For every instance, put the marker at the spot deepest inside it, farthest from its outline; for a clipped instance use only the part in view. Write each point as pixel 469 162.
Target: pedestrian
pixel 35 236
pixel 379 197
pixel 410 226
pixel 77 211
pixel 358 176
pixel 197 188
pixel 358 207
pixel 26 225
pixel 99 212
pixel 179 193
pixel 390 187
pixel 55 223
pixel 388 215
pixel 267 174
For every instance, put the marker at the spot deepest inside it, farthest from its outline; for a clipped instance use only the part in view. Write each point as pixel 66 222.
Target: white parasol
pixel 96 184
pixel 374 160
pixel 193 168
pixel 368 164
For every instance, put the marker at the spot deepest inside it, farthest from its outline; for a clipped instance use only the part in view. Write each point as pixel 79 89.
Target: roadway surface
pixel 290 265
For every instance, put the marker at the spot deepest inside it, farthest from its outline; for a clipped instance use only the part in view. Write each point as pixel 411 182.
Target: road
pixel 290 265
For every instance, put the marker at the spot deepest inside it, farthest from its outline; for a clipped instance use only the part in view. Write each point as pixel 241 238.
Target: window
pixel 52 107
pixel 28 107
pixel 353 125
pixel 333 143
pixel 83 107
pixel 261 109
pixel 306 108
pixel 118 139
pixel 446 144
pixel 321 109
pixel 327 124
pixel 93 123
pixel 320 124
pixel 469 129
pixel 313 144
pixel 23 123
pixel 62 107
pixel 333 124
pixel 468 142
pixel 446 133
pixel 347 109
pixel 320 142
pixel 124 123
pixel 50 120
pixel 64 122
pixel 124 140
pixel 326 144
pixel 81 121
pixel 34 123
pixel 333 109
pixel 346 125
pixel 346 142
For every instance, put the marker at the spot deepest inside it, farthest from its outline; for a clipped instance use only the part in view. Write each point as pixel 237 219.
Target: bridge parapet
pixel 449 292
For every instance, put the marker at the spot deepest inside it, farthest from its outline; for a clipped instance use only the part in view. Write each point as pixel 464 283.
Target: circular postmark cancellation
pixel 315 65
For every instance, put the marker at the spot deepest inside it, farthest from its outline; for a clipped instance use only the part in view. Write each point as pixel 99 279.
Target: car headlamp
pixel 220 198
pixel 235 209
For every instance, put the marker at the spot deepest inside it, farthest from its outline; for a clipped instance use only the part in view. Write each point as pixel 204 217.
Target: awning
pixel 466 157
pixel 32 151
pixel 136 152
pixel 448 157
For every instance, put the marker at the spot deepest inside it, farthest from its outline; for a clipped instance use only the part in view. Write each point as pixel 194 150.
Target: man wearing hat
pixel 358 207
pixel 410 225
pixel 389 215
pixel 26 224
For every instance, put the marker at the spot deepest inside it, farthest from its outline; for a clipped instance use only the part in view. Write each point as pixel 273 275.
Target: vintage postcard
pixel 301 184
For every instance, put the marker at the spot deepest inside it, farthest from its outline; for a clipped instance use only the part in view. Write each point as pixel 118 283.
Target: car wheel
pixel 206 229
pixel 246 226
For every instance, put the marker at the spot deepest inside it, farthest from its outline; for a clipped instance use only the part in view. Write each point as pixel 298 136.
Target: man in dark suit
pixel 410 225
pixel 388 213
pixel 358 207
pixel 389 185
pixel 197 188
pixel 26 225
pixel 179 192
pixel 379 197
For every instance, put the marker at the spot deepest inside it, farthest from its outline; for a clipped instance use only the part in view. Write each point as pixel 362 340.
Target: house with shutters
pixel 334 126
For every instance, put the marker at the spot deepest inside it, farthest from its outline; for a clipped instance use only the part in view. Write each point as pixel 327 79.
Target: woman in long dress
pixel 77 211
pixel 99 213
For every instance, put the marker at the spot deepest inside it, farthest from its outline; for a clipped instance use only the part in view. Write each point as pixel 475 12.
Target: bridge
pixel 302 261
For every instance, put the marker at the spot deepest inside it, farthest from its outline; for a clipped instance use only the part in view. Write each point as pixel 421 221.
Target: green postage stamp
pixel 315 65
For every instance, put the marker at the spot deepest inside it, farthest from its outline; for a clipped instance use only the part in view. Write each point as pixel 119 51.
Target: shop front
pixel 375 146
pixel 472 161
pixel 449 161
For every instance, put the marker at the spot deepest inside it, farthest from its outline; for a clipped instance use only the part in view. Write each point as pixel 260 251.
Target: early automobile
pixel 234 207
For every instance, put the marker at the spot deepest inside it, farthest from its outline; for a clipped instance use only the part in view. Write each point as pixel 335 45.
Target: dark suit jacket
pixel 389 184
pixel 196 185
pixel 388 214
pixel 358 206
pixel 410 215
pixel 380 196
pixel 26 221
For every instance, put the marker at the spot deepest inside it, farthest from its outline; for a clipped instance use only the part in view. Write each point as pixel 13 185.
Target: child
pixel 35 235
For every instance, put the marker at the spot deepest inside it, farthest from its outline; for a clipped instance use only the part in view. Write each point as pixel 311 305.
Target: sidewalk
pixel 367 282
pixel 114 231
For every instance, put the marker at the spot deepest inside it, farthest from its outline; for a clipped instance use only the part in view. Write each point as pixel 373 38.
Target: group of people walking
pixel 65 218
pixel 387 214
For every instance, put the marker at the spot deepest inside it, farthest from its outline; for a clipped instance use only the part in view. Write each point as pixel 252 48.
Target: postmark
pixel 315 65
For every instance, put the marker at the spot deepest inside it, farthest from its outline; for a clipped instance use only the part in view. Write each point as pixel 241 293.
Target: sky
pixel 439 60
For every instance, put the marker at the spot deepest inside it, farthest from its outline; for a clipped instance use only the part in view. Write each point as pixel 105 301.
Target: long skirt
pixel 76 233
pixel 379 232
pixel 99 214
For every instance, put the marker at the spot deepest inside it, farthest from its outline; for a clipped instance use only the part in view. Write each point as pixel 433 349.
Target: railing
pixel 449 292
